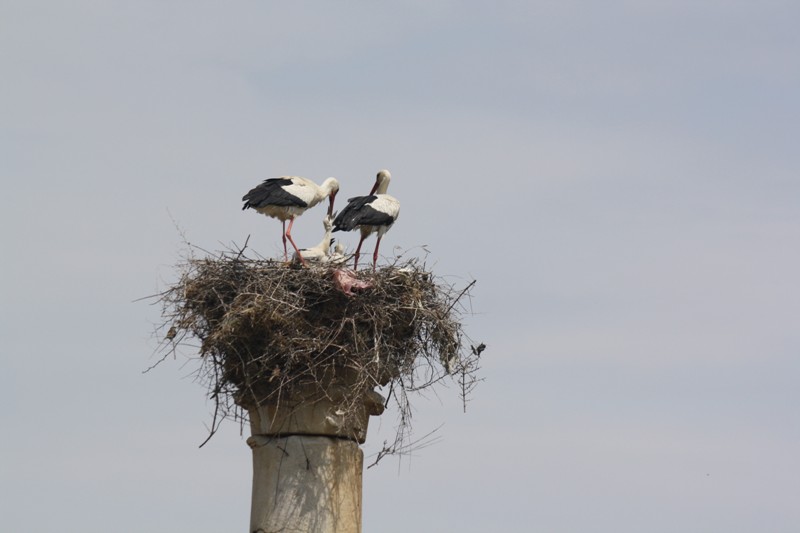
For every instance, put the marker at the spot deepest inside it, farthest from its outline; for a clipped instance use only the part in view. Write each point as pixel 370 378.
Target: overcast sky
pixel 622 179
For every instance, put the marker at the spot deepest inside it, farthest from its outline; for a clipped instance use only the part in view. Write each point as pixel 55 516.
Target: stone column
pixel 307 463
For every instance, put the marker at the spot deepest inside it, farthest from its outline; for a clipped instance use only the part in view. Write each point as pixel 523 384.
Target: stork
pixel 374 213
pixel 319 253
pixel 338 256
pixel 288 197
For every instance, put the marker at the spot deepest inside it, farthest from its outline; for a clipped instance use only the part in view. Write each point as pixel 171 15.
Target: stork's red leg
pixel 375 255
pixel 289 235
pixel 358 252
pixel 283 236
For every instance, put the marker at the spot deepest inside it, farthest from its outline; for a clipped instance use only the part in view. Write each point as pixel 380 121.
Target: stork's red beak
pixel 330 207
pixel 374 188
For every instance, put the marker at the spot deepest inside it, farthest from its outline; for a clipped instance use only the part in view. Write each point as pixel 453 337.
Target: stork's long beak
pixel 374 188
pixel 330 207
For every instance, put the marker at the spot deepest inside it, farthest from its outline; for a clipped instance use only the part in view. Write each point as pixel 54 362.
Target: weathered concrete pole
pixel 307 463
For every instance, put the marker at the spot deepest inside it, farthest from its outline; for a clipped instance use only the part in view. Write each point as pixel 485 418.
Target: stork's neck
pixel 383 185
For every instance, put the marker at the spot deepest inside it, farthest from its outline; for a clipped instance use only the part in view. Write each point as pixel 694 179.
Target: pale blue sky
pixel 621 178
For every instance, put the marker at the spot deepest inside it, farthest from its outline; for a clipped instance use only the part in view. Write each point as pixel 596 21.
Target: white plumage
pixel 338 256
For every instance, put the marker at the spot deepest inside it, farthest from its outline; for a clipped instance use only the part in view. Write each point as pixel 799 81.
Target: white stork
pixel 319 253
pixel 288 197
pixel 374 213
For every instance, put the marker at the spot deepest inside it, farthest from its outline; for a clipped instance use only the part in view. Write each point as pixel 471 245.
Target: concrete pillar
pixel 306 484
pixel 307 464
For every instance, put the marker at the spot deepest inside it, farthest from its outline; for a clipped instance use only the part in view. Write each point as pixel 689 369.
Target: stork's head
pixel 381 182
pixel 331 185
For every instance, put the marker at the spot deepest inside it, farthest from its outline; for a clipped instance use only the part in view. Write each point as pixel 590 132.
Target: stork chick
pixel 319 253
pixel 338 256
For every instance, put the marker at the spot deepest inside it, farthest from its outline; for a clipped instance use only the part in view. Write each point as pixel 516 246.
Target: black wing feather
pixel 271 192
pixel 359 213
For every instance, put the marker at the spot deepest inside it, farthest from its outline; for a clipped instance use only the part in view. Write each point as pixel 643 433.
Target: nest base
pixel 302 353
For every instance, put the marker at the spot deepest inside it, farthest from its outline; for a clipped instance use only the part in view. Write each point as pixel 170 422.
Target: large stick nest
pixel 264 327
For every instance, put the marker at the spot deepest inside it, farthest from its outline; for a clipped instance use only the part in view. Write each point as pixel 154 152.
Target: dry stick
pixel 216 408
pixel 151 367
pixel 468 287
pixel 241 251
